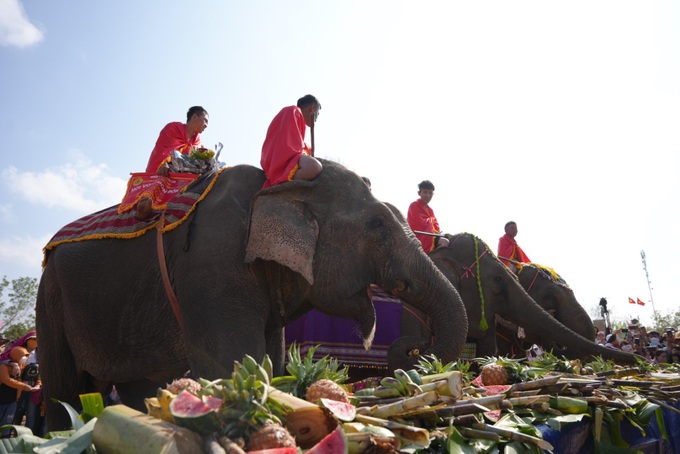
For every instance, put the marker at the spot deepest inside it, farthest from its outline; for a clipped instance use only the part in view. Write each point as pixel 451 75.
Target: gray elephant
pixel 245 263
pixel 489 288
pixel 554 295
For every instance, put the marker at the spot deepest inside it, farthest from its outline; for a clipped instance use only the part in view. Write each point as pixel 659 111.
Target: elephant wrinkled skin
pixel 103 316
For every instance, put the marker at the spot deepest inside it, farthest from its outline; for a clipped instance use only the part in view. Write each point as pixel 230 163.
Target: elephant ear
pixel 282 229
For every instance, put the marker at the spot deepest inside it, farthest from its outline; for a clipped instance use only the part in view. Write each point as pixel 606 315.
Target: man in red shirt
pixel 285 155
pixel 509 249
pixel 421 217
pixel 174 136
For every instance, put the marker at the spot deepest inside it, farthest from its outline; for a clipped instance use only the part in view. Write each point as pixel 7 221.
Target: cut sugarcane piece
pixel 121 429
pixel 409 435
pixel 405 405
pixel 306 421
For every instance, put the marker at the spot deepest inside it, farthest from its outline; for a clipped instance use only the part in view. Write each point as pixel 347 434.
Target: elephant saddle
pixel 109 223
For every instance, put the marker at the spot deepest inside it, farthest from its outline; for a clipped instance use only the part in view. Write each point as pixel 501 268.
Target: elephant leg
pixel 132 393
pixel 276 349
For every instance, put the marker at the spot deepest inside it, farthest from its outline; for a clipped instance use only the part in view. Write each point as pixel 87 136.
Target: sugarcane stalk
pixel 366 401
pixel 122 429
pixel 458 410
pixel 464 420
pixel 405 405
pixel 476 433
pixel 540 406
pixel 362 442
pixel 486 400
pixel 524 401
pixel 229 446
pixel 306 421
pixel 534 384
pixel 452 385
pixel 663 404
pixel 434 377
pixel 515 436
pixel 408 434
pixel 212 446
pixel 635 383
pixel 531 392
pixel 554 389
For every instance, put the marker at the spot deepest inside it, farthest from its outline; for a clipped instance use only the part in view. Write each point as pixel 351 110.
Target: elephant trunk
pixel 568 338
pixel 439 300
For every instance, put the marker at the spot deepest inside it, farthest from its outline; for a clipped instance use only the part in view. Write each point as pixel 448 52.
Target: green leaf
pixel 72 413
pixel 456 443
pixel 93 405
pixel 77 443
pixel 25 441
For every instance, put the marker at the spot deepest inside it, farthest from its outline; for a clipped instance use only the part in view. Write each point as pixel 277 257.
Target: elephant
pixel 244 263
pixel 554 295
pixel 489 288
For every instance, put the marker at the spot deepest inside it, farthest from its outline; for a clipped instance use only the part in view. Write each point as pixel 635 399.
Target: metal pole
pixel 649 285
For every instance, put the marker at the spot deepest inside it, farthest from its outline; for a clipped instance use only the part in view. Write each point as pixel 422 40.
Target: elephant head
pixel 552 293
pixel 489 288
pixel 335 235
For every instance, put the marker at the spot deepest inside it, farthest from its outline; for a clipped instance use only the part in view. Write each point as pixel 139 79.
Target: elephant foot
pixel 143 209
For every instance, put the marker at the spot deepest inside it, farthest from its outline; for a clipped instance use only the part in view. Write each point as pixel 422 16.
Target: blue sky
pixel 562 117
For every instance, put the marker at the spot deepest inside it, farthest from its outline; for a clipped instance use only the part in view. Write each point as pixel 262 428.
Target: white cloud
pixel 77 185
pixel 22 251
pixel 15 27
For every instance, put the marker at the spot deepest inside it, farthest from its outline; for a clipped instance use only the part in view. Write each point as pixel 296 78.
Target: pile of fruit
pixel 429 409
pixel 201 153
pixel 434 408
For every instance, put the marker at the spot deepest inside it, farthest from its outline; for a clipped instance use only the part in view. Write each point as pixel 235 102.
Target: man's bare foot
pixel 143 209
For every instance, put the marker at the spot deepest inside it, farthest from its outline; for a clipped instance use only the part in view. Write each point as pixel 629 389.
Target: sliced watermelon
pixel 341 410
pixel 291 450
pixel 333 443
pixel 191 412
pixel 212 402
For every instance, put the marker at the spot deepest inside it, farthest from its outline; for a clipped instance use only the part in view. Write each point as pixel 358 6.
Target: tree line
pixel 17 306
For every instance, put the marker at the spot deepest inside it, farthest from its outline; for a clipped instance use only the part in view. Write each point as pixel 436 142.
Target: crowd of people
pixel 656 347
pixel 21 400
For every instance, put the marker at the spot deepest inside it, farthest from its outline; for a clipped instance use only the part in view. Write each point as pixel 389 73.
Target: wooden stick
pixel 311 129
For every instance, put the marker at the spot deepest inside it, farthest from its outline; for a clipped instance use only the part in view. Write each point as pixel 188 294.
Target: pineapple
pixel 304 371
pixel 504 371
pixel 495 374
pixel 327 389
pixel 245 407
pixel 183 384
pixel 269 436
pixel 430 365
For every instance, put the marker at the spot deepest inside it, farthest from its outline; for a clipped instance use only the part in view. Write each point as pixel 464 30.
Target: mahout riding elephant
pixel 489 288
pixel 244 263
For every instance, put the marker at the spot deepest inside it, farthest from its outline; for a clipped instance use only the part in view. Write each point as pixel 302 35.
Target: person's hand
pixel 35 388
pixel 164 170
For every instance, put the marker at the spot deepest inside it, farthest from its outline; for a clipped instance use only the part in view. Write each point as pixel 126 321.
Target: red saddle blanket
pixel 109 223
pixel 159 189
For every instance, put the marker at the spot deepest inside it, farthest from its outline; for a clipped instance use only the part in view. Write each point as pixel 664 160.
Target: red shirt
pixel 421 217
pixel 508 248
pixel 283 146
pixel 172 137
